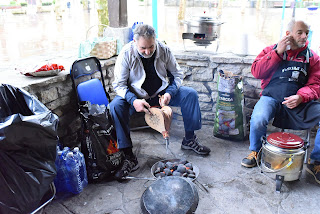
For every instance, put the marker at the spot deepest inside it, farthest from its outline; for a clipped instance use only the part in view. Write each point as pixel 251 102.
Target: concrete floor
pixel 231 187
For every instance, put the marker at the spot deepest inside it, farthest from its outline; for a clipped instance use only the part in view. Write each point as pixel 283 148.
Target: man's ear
pixel 287 33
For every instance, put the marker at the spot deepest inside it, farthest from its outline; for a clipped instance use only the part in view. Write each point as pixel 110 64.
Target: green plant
pixel 23 4
pixel 12 3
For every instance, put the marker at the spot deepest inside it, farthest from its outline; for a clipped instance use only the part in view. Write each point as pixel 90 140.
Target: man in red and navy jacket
pixel 290 82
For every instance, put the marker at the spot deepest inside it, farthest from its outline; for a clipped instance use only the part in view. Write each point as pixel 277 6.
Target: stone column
pixel 118 15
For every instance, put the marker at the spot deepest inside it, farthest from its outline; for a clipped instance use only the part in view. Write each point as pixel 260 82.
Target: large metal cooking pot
pixel 171 194
pixel 204 25
pixel 283 154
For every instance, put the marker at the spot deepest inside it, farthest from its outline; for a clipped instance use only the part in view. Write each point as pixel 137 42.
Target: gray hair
pixel 145 31
pixel 293 22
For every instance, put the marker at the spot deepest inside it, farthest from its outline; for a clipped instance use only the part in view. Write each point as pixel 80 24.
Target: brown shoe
pixel 314 169
pixel 251 160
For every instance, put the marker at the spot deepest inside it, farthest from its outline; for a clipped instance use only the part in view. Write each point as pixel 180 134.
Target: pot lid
pixel 285 140
pixel 207 19
pixel 202 18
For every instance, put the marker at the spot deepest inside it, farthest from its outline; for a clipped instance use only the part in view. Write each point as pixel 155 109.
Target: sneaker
pixel 129 164
pixel 194 145
pixel 251 160
pixel 314 169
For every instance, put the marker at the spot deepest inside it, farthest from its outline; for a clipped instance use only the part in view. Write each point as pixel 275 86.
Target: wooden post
pixel 118 15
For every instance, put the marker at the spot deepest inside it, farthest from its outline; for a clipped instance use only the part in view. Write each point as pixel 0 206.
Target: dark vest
pixel 289 77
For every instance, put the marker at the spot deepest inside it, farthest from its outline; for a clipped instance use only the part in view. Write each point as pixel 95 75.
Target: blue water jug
pixel 133 28
pixel 79 157
pixel 77 176
pixel 61 179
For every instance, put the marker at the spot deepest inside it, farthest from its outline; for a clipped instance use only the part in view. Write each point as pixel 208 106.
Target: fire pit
pixel 175 167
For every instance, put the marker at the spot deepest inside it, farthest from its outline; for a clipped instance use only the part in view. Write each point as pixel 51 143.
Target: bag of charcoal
pixel 230 121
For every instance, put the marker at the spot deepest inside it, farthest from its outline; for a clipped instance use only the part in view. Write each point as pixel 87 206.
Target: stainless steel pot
pixel 283 153
pixel 208 26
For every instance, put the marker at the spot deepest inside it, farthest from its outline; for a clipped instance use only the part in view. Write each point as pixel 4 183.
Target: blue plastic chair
pixel 86 83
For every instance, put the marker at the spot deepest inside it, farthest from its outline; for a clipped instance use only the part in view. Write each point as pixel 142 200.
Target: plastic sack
pixel 230 119
pixel 99 142
pixel 122 35
pixel 28 140
pixel 100 47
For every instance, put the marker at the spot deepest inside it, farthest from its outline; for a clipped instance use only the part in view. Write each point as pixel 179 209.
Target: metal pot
pixel 171 194
pixel 283 154
pixel 208 26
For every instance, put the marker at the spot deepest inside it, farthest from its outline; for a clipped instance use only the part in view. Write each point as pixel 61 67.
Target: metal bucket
pixel 283 153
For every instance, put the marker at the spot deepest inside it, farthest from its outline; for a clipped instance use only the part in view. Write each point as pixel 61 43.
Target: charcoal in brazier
pixel 176 173
pixel 181 168
pixel 189 165
pixel 167 171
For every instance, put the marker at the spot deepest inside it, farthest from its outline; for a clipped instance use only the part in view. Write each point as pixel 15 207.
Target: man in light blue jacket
pixel 146 68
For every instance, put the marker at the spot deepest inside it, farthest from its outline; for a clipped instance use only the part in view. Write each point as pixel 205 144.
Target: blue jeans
pixel 186 98
pixel 263 112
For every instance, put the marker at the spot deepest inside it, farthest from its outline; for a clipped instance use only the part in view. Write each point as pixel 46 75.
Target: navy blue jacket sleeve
pixel 130 97
pixel 172 89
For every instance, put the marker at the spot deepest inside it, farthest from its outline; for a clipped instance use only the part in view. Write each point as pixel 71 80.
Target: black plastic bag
pixel 28 141
pixel 99 142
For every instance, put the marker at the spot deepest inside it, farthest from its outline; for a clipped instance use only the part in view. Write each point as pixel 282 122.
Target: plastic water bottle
pixel 72 169
pixel 76 184
pixel 133 28
pixel 82 167
pixel 61 179
pixel 57 179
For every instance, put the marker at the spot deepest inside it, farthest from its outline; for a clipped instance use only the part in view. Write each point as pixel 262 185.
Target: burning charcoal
pixel 185 175
pixel 157 170
pixel 174 168
pixel 189 165
pixel 169 165
pixel 192 176
pixel 189 171
pixel 167 172
pixel 161 165
pixel 183 161
pixel 181 168
pixel 175 173
pixel 162 174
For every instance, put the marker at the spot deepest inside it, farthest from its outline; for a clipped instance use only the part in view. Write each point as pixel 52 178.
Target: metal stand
pixel 200 39
pixel 279 181
pixel 306 146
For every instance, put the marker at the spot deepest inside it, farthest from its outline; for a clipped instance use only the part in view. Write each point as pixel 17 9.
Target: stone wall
pixel 200 73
